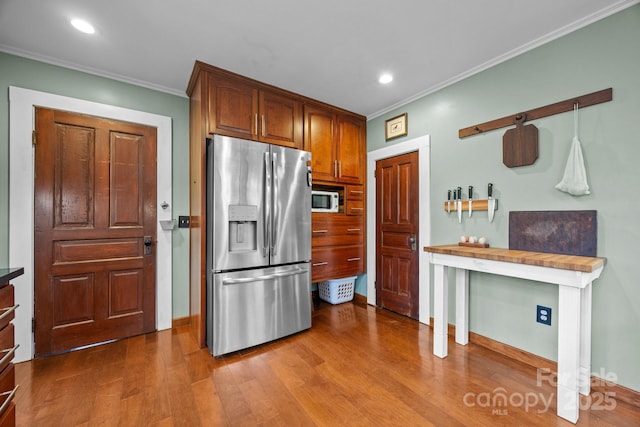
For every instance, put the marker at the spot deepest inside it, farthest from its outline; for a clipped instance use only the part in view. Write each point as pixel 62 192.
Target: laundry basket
pixel 338 290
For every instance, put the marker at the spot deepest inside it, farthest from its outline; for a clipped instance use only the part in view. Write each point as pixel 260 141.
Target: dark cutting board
pixel 559 232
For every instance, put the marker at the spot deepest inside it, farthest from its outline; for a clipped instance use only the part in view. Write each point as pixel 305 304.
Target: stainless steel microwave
pixel 325 201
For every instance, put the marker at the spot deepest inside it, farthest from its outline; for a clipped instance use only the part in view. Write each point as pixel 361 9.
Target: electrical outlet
pixel 543 315
pixel 183 222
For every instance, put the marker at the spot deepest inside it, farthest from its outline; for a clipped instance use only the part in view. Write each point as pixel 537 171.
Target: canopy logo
pixel 499 400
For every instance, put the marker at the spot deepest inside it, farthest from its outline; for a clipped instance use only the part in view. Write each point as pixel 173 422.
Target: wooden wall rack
pixel 587 100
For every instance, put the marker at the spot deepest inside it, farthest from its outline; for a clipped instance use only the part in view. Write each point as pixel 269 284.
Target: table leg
pixel 440 309
pixel 569 340
pixel 462 306
pixel 585 340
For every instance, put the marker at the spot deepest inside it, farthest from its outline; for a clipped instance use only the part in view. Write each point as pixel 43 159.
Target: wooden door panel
pixel 84 250
pixel 95 193
pixel 405 202
pixel 74 176
pixel 394 240
pixel 125 292
pixel 72 299
pixel 386 181
pixel 125 196
pixel 397 284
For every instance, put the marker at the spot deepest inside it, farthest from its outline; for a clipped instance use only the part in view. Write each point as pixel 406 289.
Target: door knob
pixel 412 242
pixel 147 245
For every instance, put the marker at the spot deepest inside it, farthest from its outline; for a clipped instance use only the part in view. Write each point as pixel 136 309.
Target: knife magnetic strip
pixel 477 205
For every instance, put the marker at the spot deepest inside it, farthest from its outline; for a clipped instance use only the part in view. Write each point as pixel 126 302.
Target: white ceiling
pixel 330 50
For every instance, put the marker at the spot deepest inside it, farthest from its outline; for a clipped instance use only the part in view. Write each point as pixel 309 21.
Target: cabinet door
pixel 280 120
pixel 319 138
pixel 233 108
pixel 351 149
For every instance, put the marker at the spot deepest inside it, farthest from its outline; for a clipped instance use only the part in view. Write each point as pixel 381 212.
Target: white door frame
pixel 420 144
pixel 21 200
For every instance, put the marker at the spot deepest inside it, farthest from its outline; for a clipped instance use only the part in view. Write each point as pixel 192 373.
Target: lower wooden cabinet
pixel 338 246
pixel 7 347
pixel 336 262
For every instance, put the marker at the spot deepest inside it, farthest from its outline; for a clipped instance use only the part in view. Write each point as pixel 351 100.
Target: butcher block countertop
pixel 540 259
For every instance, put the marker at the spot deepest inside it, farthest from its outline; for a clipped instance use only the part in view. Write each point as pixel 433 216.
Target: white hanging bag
pixel 574 180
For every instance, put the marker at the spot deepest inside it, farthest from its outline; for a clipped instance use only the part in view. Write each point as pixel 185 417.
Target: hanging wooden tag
pixel 520 144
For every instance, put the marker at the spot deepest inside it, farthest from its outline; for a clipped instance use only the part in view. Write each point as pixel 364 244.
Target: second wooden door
pixel 397 234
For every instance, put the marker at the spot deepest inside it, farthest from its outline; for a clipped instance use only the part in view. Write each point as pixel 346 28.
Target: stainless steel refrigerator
pixel 258 243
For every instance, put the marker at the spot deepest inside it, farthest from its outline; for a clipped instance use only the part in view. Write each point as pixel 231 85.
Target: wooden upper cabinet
pixel 243 110
pixel 280 119
pixel 319 138
pixel 337 144
pixel 233 108
pixel 351 151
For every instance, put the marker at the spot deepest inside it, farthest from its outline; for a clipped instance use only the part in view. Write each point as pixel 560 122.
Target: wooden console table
pixel 572 274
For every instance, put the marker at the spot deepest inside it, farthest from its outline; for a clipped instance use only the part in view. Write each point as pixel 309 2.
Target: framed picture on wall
pixel 396 127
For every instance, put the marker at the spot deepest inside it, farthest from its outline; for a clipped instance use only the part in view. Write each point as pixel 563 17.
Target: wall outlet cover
pixel 543 315
pixel 183 222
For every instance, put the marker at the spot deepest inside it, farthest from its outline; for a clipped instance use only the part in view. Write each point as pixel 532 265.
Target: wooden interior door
pixel 397 214
pixel 95 230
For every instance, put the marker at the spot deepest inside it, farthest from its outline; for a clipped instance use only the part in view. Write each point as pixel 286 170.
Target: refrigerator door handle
pixel 276 211
pixel 266 205
pixel 288 273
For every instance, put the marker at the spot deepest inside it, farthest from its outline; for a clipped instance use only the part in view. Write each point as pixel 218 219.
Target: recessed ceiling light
pixel 385 78
pixel 83 26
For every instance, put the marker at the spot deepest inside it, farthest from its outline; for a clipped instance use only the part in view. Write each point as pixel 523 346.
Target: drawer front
pixel 355 192
pixel 355 207
pixel 7 381
pixel 337 262
pixel 7 307
pixel 7 396
pixel 336 229
pixel 8 418
pixel 6 346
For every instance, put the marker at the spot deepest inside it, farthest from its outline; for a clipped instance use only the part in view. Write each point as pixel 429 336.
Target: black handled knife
pixel 491 207
pixel 459 204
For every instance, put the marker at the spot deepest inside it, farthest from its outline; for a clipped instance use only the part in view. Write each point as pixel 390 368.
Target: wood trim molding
pixel 600 385
pixel 200 66
pixel 360 300
pixel 180 321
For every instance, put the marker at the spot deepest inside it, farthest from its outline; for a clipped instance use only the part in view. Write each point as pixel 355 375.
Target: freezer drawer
pixel 251 307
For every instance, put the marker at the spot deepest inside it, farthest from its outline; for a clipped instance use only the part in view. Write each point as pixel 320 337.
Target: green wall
pixel 34 75
pixel 601 55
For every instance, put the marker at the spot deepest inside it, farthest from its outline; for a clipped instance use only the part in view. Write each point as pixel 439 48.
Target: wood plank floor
pixel 357 366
